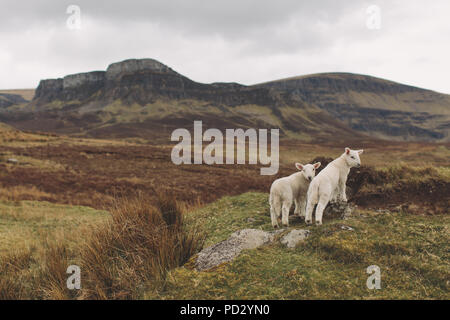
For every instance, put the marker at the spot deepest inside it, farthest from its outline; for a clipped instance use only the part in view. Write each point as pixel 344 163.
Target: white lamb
pixel 330 184
pixel 290 189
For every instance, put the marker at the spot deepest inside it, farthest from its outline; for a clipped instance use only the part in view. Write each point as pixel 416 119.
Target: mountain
pixel 378 107
pixel 146 98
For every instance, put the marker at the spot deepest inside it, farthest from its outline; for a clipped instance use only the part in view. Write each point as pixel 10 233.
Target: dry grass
pixel 118 257
pixel 139 245
pixel 17 193
pixel 27 94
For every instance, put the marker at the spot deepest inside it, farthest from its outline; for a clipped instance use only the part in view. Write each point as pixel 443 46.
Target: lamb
pixel 330 184
pixel 290 189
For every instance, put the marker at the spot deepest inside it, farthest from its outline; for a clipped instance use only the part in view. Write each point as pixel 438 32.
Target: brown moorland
pixel 92 172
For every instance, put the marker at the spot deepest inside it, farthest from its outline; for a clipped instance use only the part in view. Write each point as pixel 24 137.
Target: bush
pixel 137 247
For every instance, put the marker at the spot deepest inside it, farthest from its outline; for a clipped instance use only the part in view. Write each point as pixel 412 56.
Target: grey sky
pixel 243 41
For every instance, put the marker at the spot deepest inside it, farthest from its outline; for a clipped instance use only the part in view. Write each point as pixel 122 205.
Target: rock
pixel 347 228
pixel 115 70
pixel 143 81
pixel 12 160
pixel 251 220
pixel 343 210
pixel 229 249
pixel 79 79
pixel 294 237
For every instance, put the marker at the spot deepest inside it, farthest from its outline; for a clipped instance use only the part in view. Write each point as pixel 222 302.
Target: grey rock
pixel 294 237
pixel 348 228
pixel 134 65
pixel 229 249
pixel 79 79
pixel 12 160
pixel 344 210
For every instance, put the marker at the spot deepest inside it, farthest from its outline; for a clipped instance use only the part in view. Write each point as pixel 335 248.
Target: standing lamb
pixel 290 189
pixel 330 184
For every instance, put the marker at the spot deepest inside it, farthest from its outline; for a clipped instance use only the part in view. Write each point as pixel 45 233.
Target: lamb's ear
pixel 299 166
pixel 347 150
pixel 316 165
pixel 360 151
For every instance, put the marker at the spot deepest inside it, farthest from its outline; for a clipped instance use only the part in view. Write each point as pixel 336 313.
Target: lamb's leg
pixel 273 217
pixel 342 187
pixel 275 210
pixel 324 197
pixel 309 209
pixel 336 194
pixel 297 207
pixel 323 201
pixel 285 213
pixel 302 205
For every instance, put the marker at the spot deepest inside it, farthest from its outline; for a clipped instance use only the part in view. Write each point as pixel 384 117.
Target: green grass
pixel 31 223
pixel 38 241
pixel 412 252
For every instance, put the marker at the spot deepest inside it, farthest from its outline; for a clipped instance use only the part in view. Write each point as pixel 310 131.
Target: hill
pixel 378 107
pixel 26 94
pixel 330 264
pixel 145 98
pixel 9 99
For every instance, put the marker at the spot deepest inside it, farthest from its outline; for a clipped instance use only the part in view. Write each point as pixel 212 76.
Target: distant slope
pixel 378 107
pixel 27 94
pixel 146 98
pixel 10 99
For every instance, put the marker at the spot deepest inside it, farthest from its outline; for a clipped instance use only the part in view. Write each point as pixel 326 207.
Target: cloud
pixel 244 41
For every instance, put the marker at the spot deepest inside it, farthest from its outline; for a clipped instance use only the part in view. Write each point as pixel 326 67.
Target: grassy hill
pixel 411 250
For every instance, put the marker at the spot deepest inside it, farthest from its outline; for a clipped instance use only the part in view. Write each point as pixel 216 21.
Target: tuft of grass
pixel 139 245
pixel 38 241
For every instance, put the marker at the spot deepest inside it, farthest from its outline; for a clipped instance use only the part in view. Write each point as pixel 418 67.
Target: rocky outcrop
pixel 342 210
pixel 229 249
pixel 118 69
pixel 144 81
pixel 49 90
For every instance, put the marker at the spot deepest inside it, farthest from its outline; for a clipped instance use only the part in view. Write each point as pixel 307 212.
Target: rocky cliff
pixel 381 108
pixel 143 81
pixel 149 95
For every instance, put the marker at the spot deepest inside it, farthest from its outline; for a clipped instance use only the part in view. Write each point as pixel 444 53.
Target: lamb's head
pixel 352 157
pixel 308 170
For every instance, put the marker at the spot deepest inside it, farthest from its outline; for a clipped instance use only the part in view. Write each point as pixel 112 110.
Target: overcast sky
pixel 230 41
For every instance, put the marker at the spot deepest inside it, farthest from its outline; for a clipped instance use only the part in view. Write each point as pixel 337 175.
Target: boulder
pixel 341 210
pixel 229 249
